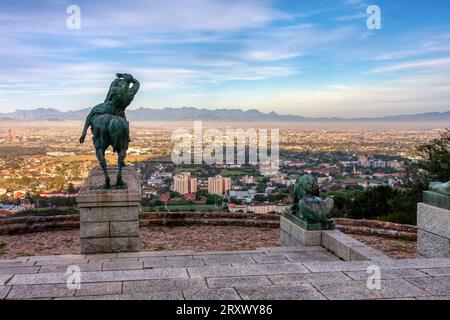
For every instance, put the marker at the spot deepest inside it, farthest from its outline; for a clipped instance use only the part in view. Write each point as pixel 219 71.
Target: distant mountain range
pixel 190 113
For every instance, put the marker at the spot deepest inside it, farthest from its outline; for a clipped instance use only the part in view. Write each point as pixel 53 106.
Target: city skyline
pixel 293 57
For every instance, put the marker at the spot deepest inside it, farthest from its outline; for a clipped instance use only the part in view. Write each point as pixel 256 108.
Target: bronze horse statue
pixel 110 127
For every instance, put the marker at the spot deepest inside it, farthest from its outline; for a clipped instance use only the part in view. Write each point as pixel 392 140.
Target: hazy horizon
pixel 319 125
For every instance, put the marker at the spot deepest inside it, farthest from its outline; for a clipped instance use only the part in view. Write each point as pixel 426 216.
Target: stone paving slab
pixel 236 282
pixel 277 250
pixel 284 273
pixel 123 265
pixel 263 258
pixel 100 276
pixel 231 259
pixel 177 258
pixel 174 263
pixel 437 272
pixel 358 290
pixel 15 264
pixel 434 298
pixel 98 297
pixel 170 295
pixel 246 270
pixel 383 264
pixel 154 253
pixel 4 278
pixel 107 288
pixel 211 294
pixel 388 274
pixel 64 257
pixel 13 270
pixel 4 290
pixel 302 291
pixel 61 262
pixel 312 278
pixel 101 256
pixel 310 256
pixel 436 286
pixel 40 291
pixel 59 268
pixel 162 285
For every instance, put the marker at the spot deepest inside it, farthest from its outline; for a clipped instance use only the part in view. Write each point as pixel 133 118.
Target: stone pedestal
pixel 295 232
pixel 109 219
pixel 433 231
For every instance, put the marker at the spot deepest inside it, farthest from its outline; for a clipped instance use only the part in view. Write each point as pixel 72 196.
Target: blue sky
pixel 312 58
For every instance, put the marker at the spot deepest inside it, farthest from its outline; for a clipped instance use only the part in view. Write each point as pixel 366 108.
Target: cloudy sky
pixel 311 58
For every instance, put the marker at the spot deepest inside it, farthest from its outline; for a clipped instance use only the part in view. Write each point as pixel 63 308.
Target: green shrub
pixel 400 217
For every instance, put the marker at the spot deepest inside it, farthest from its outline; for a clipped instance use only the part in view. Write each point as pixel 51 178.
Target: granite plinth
pixel 291 234
pixel 109 219
pixel 433 231
pixel 308 225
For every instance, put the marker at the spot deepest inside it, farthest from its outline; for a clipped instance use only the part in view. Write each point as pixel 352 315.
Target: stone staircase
pixel 266 273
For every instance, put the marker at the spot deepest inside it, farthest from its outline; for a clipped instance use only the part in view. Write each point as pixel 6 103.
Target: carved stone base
pixel 308 225
pixel 109 219
pixel 292 234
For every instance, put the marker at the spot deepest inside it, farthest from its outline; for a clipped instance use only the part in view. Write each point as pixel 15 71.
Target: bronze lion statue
pixel 306 203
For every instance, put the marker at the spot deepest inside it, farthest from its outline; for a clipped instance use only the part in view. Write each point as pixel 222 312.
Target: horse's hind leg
pixel 101 159
pixel 121 164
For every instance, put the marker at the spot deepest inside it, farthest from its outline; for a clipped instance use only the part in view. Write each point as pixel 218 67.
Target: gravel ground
pixel 395 249
pixel 198 238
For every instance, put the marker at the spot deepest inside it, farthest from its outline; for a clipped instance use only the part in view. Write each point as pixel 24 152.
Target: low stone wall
pixel 377 228
pixel 21 225
pixel 208 218
pixel 149 219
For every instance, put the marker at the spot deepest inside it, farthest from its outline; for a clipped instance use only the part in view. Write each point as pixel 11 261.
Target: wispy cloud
pixel 422 64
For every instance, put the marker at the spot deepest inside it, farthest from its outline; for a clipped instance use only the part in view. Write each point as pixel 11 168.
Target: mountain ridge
pixel 192 113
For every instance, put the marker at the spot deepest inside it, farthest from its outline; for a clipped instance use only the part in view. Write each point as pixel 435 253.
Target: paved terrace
pixel 267 273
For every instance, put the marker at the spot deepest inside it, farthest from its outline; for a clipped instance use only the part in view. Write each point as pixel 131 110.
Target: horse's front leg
pixel 121 163
pixel 101 159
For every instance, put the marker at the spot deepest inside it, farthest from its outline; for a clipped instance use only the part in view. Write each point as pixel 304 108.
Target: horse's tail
pixel 118 133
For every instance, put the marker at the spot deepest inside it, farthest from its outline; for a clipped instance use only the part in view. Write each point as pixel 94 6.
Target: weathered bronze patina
pixel 109 125
pixel 308 210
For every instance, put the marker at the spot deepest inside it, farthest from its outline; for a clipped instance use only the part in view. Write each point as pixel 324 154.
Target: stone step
pixel 265 273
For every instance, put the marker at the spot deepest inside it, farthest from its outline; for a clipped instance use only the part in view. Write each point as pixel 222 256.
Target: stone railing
pixel 376 228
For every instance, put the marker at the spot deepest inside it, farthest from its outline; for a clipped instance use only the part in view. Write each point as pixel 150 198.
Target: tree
pixel 71 188
pixel 436 155
pixel 372 203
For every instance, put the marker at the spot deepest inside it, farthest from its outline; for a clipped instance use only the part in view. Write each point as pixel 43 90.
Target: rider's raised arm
pixel 134 89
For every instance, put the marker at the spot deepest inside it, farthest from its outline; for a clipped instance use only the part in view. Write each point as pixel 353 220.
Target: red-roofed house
pixel 189 196
pixel 165 197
